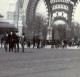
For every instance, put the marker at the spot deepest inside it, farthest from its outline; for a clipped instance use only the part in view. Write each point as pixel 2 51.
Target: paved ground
pixel 40 63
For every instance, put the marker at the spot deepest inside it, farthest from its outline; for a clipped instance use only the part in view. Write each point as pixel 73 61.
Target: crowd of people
pixel 12 42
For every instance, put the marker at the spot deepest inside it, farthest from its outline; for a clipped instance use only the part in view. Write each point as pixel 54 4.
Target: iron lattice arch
pixel 62 11
pixel 31 9
pixel 54 7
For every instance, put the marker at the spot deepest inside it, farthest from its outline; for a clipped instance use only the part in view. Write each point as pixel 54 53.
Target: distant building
pixel 18 16
pixel 10 15
pixel 6 27
pixel 14 15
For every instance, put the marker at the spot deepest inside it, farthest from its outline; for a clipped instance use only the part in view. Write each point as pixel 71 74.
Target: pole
pixel 49 29
pixel 18 14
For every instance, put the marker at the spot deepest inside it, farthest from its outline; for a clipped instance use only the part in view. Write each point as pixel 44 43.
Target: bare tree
pixel 40 26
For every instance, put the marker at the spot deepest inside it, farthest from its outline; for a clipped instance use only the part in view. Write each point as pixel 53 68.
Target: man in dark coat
pixel 38 42
pixel 11 41
pixel 5 41
pixel 15 42
pixel 34 41
pixel 28 43
pixel 2 41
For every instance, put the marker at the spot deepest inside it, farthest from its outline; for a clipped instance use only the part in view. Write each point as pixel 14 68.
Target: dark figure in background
pixel 38 42
pixel 1 41
pixel 28 43
pixel 64 43
pixel 23 41
pixel 70 43
pixel 5 41
pixel 43 43
pixel 56 43
pixel 34 41
pixel 78 44
pixel 14 41
pixel 17 42
pixel 11 41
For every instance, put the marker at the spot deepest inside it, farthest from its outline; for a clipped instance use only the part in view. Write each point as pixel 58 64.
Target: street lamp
pixel 17 14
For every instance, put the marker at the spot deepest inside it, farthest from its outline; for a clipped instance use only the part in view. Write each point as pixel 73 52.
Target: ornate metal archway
pixel 31 9
pixel 57 9
pixel 30 14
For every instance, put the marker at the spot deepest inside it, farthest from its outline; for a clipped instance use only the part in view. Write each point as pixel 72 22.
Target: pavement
pixel 40 63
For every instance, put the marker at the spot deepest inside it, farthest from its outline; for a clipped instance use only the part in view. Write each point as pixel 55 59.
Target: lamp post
pixel 18 14
pixel 49 29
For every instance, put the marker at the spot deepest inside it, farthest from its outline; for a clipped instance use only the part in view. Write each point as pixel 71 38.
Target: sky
pixel 4 6
pixel 77 13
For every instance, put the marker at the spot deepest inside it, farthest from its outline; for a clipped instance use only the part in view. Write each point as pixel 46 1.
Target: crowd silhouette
pixel 13 41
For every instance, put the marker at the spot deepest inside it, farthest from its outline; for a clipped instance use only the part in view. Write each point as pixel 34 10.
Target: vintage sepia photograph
pixel 39 38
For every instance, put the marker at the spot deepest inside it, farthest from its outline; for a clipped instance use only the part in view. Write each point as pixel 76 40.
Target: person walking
pixel 5 41
pixel 17 42
pixel 28 43
pixel 33 41
pixel 2 41
pixel 23 41
pixel 11 41
pixel 38 42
